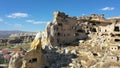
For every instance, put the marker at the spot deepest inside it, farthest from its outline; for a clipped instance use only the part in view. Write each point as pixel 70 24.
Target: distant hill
pixel 6 34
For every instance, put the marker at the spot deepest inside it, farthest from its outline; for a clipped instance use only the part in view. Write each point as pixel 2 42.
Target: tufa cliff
pixel 76 42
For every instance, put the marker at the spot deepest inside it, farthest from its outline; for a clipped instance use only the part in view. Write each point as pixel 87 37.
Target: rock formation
pixel 97 41
pixel 65 30
pixel 18 39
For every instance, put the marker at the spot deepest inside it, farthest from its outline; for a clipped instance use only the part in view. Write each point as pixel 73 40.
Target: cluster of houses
pixel 6 54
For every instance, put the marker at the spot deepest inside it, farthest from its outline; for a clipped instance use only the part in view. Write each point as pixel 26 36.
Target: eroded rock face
pixel 65 30
pixel 20 39
pixel 17 39
pixel 97 41
pixel 34 57
pixel 97 34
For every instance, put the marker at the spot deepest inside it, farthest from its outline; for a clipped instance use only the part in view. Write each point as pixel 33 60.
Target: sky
pixel 33 15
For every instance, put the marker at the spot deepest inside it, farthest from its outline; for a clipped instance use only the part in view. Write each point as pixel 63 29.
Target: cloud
pixel 18 25
pixel 18 15
pixel 1 20
pixel 36 22
pixel 107 8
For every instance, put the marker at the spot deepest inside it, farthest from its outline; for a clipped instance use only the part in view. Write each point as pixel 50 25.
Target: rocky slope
pixel 16 37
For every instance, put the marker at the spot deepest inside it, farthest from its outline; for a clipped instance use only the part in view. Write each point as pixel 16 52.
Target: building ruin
pixel 65 30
